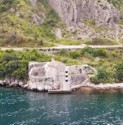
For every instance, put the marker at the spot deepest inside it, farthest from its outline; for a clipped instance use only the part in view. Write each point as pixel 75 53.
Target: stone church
pixel 55 75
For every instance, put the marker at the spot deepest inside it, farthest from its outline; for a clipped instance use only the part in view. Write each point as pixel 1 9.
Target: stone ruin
pixel 56 75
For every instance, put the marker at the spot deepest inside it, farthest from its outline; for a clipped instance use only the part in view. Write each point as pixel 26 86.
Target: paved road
pixel 57 48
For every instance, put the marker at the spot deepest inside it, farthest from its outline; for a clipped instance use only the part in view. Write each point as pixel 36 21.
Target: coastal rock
pixel 101 88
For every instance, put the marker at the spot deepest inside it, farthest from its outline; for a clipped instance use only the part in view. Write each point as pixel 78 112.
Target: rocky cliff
pixel 87 18
pixel 75 11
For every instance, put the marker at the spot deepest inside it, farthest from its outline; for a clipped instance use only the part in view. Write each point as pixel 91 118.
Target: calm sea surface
pixel 18 107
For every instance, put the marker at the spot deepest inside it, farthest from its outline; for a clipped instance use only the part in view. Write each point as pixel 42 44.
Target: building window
pixel 66 71
pixel 66 76
pixel 66 80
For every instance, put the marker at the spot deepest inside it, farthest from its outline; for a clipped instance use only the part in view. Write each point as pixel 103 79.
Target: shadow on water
pixel 18 107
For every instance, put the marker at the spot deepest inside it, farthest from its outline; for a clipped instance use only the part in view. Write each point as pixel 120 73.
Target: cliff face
pixel 75 11
pixel 87 18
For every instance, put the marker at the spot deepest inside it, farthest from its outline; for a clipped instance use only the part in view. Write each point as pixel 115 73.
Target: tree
pixel 101 77
pixel 14 64
pixel 119 72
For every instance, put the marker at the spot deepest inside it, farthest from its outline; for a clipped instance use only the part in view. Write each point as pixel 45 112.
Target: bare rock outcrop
pixel 88 19
pixel 33 2
pixel 75 11
pixel 36 15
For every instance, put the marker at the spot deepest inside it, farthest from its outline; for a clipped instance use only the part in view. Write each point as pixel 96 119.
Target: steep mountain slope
pixel 51 22
pixel 90 18
pixel 27 23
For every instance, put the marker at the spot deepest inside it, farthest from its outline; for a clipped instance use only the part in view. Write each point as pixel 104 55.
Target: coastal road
pixel 71 47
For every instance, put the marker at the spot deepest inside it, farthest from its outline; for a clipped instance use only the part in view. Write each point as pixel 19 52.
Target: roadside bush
pixel 63 52
pixel 100 41
pixel 74 54
pixel 95 52
pixel 101 52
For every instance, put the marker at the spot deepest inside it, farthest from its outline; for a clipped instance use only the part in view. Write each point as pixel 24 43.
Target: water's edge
pixel 21 107
pixel 87 89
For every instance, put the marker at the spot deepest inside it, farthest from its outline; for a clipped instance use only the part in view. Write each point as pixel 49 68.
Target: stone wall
pixel 77 79
pixel 55 75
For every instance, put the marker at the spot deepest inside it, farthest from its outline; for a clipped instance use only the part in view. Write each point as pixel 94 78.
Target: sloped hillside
pixel 27 23
pixel 117 3
pixel 37 23
pixel 88 19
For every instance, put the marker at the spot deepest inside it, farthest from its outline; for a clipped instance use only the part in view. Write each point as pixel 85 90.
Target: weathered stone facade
pixel 55 75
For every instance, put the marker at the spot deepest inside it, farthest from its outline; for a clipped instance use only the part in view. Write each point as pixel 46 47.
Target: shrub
pixel 101 77
pixel 101 52
pixel 63 52
pixel 119 72
pixel 94 80
pixel 100 41
pixel 74 54
pixel 14 64
pixel 94 52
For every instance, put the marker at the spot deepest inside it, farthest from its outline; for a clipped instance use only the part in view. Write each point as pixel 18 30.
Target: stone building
pixel 55 75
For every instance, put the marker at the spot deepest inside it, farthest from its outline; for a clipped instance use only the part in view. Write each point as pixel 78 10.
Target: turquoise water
pixel 18 107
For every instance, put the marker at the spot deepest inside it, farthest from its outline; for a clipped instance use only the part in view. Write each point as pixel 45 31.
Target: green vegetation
pixel 92 24
pixel 101 77
pixel 117 3
pixel 14 65
pixel 119 71
pixel 18 26
pixel 109 63
pixel 101 41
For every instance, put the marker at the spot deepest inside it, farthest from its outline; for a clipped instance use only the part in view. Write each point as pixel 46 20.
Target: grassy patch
pixel 16 20
pixel 104 60
pixel 92 24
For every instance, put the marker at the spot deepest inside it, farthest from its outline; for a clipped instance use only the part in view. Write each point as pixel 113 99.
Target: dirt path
pixel 57 48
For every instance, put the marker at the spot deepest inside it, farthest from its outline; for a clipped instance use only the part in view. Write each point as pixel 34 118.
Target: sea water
pixel 19 107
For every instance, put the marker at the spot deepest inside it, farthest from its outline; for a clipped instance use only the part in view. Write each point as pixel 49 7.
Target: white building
pixel 55 75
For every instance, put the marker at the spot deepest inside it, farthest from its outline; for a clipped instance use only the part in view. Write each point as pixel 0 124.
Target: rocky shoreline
pixel 101 88
pixel 19 85
pixel 86 89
